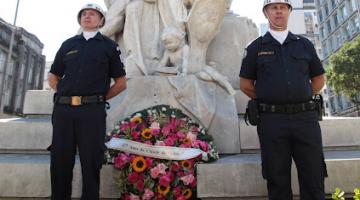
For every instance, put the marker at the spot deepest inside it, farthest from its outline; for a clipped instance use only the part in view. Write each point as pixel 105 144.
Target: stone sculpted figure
pixel 176 52
pixel 136 25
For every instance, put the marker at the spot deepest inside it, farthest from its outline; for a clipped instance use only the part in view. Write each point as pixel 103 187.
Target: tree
pixel 343 74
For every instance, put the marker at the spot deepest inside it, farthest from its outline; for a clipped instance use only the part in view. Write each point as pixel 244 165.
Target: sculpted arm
pixel 115 18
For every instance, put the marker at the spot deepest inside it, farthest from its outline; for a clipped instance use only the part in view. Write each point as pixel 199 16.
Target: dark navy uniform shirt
pixel 86 66
pixel 282 73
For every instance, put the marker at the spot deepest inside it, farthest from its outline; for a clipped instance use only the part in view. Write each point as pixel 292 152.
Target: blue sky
pixel 53 21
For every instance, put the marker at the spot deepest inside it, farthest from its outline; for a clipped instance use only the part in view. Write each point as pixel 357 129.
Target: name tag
pixel 71 52
pixel 262 53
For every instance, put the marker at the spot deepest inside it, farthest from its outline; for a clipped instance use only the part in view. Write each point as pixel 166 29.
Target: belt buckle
pixel 75 100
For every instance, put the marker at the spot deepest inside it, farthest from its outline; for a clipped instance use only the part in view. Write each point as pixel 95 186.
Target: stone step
pixel 232 177
pixel 33 135
pixel 239 176
pixel 29 176
pixel 38 102
pixel 28 135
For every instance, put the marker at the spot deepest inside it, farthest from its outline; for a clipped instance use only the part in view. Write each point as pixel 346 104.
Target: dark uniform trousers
pixel 81 127
pixel 283 136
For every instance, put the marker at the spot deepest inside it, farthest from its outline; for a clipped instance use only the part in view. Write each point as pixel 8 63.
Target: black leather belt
pixel 79 100
pixel 288 108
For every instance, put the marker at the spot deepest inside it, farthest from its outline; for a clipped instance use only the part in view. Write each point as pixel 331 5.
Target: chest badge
pixel 71 52
pixel 266 53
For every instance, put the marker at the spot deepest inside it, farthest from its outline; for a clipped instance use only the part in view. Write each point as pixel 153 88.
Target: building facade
pixel 339 22
pixel 25 69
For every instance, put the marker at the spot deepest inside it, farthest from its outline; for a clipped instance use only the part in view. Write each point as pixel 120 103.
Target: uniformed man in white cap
pixel 81 76
pixel 282 72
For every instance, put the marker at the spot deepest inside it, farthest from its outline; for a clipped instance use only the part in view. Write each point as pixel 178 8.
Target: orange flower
pixel 139 164
pixel 136 120
pixel 187 141
pixel 163 190
pixel 187 193
pixel 186 164
pixel 146 133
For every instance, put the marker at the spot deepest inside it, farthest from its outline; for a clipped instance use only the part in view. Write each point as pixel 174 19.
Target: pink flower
pixel 195 129
pixel 193 184
pixel 120 161
pixel 156 171
pixel 155 125
pixel 160 143
pixel 155 132
pixel 195 143
pixel 177 191
pixel 188 179
pixel 162 167
pixel 180 135
pixel 124 126
pixel 135 135
pixel 169 141
pixel 165 180
pixel 148 194
pixel 149 162
pixel 190 136
pixel 126 197
pixel 140 185
pixel 134 197
pixel 175 167
pixel 180 198
pixel 159 197
pixel 166 130
pixel 204 146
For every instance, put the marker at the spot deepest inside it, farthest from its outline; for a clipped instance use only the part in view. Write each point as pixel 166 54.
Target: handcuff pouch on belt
pixel 252 113
pixel 318 99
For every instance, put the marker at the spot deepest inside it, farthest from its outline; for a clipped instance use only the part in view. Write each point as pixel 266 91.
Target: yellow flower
pixel 187 193
pixel 146 134
pixel 136 120
pixel 163 190
pixel 139 164
pixel 186 164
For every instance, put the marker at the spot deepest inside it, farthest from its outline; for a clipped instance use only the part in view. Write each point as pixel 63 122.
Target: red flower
pixel 133 177
pixel 175 167
pixel 140 185
pixel 165 180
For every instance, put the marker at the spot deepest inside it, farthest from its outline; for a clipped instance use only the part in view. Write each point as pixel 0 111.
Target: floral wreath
pixel 158 130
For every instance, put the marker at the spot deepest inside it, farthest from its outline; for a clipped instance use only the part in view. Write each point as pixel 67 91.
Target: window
pixel 357 23
pixel 340 102
pixel 320 16
pixel 322 33
pixel 353 5
pixel 333 4
pixel 344 11
pixel 328 27
pixel 2 60
pixel 326 9
pixel 338 40
pixel 336 20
